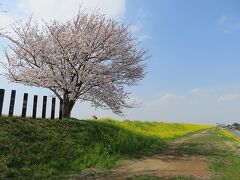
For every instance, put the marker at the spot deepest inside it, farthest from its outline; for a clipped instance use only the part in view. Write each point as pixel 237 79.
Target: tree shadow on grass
pixel 31 149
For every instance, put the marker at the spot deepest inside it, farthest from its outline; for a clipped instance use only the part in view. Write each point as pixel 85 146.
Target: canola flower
pixel 229 134
pixel 159 129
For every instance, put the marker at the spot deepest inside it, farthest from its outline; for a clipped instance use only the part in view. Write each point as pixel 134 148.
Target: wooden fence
pixel 25 105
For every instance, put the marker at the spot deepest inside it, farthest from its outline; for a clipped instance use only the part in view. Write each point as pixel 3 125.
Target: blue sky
pixel 194 46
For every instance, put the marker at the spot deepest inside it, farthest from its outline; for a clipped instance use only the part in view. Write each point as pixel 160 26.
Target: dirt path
pixel 168 164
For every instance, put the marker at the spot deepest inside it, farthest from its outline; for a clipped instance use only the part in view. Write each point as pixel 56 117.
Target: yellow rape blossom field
pixel 159 129
pixel 229 134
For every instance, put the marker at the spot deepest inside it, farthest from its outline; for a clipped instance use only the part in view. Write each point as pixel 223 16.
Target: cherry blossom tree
pixel 89 58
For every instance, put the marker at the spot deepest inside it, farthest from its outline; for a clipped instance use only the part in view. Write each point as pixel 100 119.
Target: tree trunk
pixel 67 107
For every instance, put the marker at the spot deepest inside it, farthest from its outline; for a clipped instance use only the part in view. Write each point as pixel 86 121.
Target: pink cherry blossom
pixel 89 58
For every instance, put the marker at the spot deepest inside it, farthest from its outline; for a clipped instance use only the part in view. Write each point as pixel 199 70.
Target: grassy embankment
pixel 34 149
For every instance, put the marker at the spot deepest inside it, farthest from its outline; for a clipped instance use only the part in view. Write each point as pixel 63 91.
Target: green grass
pixel 222 151
pixel 40 149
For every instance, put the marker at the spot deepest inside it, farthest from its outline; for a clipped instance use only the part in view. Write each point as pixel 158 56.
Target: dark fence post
pixel 24 107
pixel 53 108
pixel 34 114
pixel 60 109
pixel 2 92
pixel 12 103
pixel 44 106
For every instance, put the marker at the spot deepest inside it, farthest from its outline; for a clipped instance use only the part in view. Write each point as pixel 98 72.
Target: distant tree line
pixel 234 126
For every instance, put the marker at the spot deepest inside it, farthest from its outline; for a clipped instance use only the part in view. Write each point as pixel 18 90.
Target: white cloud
pixel 6 20
pixel 196 106
pixel 230 97
pixel 196 91
pixel 142 13
pixel 170 97
pixel 229 24
pixel 65 9
pixel 135 28
pixel 144 37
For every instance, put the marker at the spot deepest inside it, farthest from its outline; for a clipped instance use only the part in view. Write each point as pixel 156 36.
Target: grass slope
pixel 40 149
